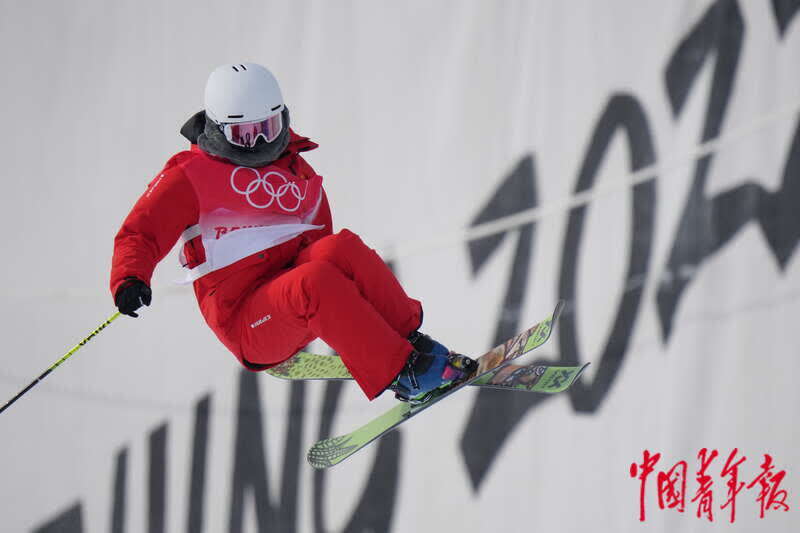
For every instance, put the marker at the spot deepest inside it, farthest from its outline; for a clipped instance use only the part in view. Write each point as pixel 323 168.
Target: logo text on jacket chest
pixel 222 230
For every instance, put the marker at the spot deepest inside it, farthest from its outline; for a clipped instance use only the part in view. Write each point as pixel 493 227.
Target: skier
pixel 269 274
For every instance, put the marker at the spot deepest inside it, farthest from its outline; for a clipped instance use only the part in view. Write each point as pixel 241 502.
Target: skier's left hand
pixel 131 295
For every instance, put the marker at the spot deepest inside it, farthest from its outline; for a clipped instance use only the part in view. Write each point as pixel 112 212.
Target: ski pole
pixel 64 358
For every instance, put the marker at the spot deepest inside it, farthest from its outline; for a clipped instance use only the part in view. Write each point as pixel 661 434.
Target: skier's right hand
pixel 131 295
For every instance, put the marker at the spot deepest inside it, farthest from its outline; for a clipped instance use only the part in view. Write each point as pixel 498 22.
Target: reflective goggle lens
pixel 247 133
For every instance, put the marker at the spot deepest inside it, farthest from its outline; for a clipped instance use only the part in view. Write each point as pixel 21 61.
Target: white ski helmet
pixel 242 92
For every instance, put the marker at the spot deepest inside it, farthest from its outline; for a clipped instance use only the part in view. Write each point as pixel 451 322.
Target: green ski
pixel 332 451
pixel 527 378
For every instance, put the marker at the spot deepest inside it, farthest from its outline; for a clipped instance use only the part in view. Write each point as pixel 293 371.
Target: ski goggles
pixel 246 134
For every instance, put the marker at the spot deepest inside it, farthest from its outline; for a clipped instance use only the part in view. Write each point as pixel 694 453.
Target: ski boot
pixel 426 373
pixel 425 344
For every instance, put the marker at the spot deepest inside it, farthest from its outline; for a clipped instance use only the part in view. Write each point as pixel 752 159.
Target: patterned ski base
pixel 527 378
pixel 306 365
pixel 332 451
pixel 532 378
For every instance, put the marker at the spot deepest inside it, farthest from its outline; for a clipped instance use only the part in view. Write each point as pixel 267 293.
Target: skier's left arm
pixel 323 215
pixel 322 218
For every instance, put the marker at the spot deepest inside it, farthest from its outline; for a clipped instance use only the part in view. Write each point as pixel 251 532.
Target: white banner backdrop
pixel 640 160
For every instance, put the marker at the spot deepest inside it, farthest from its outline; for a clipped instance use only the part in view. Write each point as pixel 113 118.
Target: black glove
pixel 131 295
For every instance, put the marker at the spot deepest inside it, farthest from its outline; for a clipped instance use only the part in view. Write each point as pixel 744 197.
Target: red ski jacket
pixel 267 215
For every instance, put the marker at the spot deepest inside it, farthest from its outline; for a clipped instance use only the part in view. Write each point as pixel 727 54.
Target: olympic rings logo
pixel 272 192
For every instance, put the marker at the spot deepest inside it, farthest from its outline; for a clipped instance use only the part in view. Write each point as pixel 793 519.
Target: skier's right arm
pixel 151 229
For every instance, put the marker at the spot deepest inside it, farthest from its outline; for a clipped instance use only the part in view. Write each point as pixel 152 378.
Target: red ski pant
pixel 342 292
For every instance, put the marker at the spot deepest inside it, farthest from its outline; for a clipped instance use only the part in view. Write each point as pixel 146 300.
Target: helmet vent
pixel 235 116
pixel 276 107
pixel 243 67
pixel 234 68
